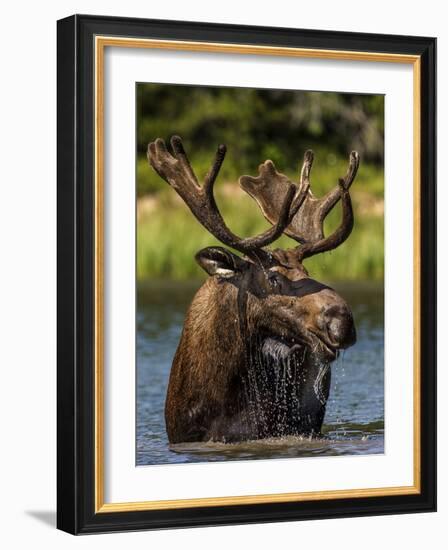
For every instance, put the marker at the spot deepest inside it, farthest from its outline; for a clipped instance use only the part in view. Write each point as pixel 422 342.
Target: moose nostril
pixel 335 326
pixel 338 322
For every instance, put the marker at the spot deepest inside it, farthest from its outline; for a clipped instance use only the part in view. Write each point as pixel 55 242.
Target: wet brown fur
pixel 206 397
pixel 205 376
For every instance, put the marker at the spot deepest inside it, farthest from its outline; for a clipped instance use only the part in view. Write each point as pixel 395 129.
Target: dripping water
pixel 272 387
pixel 317 386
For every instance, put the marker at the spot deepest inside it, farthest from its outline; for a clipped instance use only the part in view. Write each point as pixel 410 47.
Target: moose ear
pixel 216 260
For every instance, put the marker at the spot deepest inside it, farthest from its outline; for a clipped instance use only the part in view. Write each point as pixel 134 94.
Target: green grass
pixel 169 236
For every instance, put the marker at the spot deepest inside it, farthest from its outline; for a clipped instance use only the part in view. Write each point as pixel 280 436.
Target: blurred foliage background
pixel 258 124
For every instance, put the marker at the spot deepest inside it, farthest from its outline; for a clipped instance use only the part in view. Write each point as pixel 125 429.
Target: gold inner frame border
pixel 101 42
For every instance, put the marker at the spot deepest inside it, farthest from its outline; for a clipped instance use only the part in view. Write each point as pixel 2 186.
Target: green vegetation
pixel 257 125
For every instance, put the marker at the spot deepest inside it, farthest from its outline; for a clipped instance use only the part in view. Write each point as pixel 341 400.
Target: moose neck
pixel 212 340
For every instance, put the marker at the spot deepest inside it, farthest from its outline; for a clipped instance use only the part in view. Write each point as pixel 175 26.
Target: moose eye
pixel 273 279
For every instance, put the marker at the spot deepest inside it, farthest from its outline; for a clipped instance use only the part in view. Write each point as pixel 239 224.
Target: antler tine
pixel 337 237
pixel 211 176
pixel 177 171
pixel 331 198
pixel 352 170
pixel 181 155
pixel 174 169
pixel 345 228
pixel 308 160
pixel 305 185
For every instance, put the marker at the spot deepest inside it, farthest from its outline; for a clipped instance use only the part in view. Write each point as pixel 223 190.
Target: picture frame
pixel 82 43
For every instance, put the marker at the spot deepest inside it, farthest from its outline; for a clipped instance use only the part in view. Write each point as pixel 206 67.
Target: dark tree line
pixel 257 123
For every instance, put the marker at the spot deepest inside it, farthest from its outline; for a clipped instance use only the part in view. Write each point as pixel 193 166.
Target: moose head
pixel 260 335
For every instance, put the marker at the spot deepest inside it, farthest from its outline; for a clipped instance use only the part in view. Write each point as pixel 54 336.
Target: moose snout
pixel 337 321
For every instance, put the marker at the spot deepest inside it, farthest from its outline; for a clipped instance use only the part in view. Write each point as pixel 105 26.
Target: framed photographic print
pixel 246 274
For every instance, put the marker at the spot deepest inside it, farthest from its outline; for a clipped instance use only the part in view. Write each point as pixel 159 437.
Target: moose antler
pixel 176 169
pixel 306 227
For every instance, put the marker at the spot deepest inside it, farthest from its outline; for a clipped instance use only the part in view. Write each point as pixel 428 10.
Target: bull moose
pixel 260 335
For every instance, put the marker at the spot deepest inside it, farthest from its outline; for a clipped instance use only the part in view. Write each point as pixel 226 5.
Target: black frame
pixel 75 172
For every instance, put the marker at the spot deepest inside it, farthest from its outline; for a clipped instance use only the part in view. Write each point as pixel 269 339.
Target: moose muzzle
pixel 337 322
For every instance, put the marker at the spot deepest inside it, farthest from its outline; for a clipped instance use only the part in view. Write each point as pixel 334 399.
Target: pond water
pixel 354 420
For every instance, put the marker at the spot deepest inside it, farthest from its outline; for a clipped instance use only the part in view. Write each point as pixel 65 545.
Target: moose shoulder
pixel 260 335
